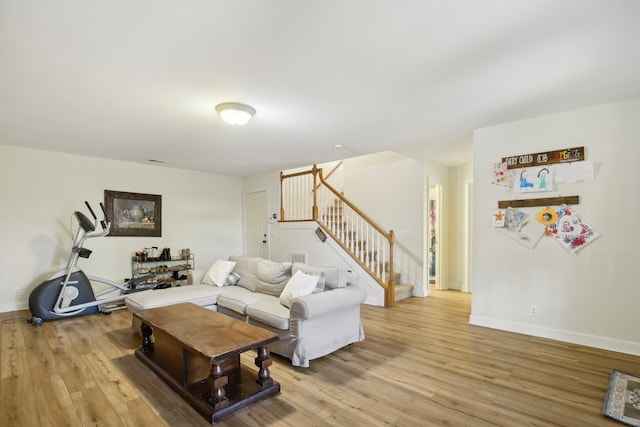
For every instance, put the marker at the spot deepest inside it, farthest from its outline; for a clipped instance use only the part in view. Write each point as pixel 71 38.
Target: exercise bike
pixel 68 292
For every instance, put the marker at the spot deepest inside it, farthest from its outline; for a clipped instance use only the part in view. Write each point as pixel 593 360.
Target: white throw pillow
pixel 299 285
pixel 334 277
pixel 218 272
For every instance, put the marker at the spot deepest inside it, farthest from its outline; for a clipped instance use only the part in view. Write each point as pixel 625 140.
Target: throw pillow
pixel 299 285
pixel 320 285
pixel 246 268
pixel 218 272
pixel 334 277
pixel 271 277
pixel 232 279
pixel 273 272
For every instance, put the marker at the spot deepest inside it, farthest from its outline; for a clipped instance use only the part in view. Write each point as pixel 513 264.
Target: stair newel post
pixel 315 170
pixel 282 217
pixel 391 291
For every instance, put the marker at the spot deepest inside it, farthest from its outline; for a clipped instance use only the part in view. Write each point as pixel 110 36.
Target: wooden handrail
pixel 331 172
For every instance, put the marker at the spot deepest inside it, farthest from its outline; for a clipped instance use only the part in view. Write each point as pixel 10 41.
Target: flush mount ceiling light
pixel 234 113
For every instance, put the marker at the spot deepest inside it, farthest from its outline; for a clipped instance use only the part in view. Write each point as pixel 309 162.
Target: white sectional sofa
pixel 314 310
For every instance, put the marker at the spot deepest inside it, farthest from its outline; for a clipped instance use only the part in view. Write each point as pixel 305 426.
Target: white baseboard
pixel 604 343
pixel 15 306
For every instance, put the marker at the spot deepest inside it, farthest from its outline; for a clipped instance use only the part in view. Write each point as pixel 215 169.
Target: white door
pixel 257 225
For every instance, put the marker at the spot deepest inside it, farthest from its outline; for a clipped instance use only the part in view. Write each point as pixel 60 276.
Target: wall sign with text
pixel 548 158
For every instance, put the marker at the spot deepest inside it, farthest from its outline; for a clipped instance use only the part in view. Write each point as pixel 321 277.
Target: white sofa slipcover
pixel 314 326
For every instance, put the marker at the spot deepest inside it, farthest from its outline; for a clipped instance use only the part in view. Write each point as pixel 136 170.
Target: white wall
pixel 459 210
pixel 590 298
pixel 388 187
pixel 40 190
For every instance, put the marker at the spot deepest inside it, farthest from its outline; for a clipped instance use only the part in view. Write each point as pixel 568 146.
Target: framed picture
pixel 134 214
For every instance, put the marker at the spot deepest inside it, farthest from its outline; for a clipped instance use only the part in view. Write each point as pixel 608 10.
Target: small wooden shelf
pixel 549 201
pixel 163 271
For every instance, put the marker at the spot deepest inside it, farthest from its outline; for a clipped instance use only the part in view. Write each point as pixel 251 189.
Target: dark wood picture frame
pixel 134 214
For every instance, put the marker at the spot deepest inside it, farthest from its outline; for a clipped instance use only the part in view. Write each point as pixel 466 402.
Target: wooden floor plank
pixel 421 364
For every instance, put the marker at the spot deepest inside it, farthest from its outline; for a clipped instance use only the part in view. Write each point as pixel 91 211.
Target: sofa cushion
pixel 270 313
pixel 273 272
pixel 202 295
pixel 246 268
pixel 335 277
pixel 272 276
pixel 218 272
pixel 238 301
pixel 300 284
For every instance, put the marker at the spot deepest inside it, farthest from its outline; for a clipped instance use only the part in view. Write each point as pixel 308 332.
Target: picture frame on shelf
pixel 134 214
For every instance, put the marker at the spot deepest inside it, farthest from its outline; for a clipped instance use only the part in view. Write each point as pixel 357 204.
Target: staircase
pixel 370 246
pixel 334 219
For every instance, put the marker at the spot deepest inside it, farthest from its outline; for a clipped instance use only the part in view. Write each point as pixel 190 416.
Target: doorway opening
pixel 434 234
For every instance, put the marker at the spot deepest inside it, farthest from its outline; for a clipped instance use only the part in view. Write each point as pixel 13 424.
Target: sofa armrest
pixel 326 302
pixel 197 276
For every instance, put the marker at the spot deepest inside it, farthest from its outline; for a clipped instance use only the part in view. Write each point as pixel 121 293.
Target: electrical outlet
pixel 17 292
pixel 533 310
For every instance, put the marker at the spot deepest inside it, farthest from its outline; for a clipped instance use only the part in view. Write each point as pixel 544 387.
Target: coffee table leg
pixel 218 380
pixel 263 361
pixel 147 345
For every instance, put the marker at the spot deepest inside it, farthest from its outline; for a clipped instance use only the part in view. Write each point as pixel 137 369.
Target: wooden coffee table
pixel 196 351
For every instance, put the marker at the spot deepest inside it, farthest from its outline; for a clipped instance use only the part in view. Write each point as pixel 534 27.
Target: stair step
pixel 403 291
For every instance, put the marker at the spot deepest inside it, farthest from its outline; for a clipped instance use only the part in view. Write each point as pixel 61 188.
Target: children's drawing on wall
pixel 572 231
pixel 542 178
pixel 548 218
pixel 534 179
pixel 543 172
pixel 514 219
pixel 519 227
pixel 498 218
pixel 502 175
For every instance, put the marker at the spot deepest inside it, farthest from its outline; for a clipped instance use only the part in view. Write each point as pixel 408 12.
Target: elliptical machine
pixel 68 292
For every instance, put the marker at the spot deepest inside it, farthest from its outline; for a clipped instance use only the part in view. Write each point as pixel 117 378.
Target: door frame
pixel 427 240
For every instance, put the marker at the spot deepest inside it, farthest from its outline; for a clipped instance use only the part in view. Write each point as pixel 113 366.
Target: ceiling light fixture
pixel 234 113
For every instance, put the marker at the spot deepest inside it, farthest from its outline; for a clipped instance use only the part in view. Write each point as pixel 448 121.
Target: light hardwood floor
pixel 421 364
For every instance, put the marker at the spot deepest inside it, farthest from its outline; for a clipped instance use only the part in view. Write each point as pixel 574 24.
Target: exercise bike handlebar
pixel 105 222
pixel 89 227
pixel 91 210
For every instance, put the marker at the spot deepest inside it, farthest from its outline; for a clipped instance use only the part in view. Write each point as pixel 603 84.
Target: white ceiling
pixel 138 79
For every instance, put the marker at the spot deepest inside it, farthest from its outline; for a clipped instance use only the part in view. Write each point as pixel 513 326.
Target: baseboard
pixel 604 343
pixel 15 306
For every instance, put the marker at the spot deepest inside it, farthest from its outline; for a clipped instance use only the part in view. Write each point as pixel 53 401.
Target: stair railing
pixel 307 196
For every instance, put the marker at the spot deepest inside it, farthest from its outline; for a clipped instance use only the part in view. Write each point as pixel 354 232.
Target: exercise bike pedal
pixel 35 321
